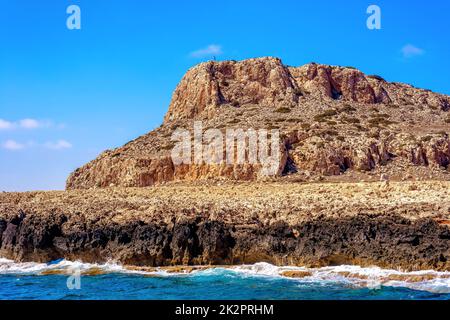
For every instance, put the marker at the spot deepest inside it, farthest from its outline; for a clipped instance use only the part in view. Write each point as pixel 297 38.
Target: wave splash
pixel 352 276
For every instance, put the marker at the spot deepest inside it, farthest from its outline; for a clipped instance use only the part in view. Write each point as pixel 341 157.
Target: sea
pixel 66 280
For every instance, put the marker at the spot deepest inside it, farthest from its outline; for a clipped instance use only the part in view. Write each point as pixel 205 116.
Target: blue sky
pixel 66 95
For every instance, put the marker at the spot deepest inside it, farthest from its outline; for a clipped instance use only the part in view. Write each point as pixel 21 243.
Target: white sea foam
pixel 10 267
pixel 371 277
pixel 355 276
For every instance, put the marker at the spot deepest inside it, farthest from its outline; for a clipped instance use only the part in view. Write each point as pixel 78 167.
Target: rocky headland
pixel 364 178
pixel 333 121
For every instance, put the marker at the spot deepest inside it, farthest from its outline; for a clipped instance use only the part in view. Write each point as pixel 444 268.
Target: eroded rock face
pixel 388 241
pixel 332 119
pixel 110 171
pixel 335 83
pixel 367 154
pixel 266 81
pixel 209 85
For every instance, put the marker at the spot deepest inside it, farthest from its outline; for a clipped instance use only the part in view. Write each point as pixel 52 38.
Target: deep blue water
pixel 215 284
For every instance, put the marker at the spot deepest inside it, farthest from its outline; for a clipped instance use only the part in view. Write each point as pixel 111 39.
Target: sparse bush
pixel 347 109
pixel 350 120
pixel 327 114
pixel 375 135
pixel 305 126
pixel 296 120
pixel 360 127
pixel 251 107
pixel 283 110
pixel 298 92
pixel 377 77
pixel 379 121
pixel 234 121
pixel 169 146
pixel 320 145
pixel 331 132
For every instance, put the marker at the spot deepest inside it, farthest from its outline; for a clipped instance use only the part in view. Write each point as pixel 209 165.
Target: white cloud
pixel 58 145
pixel 13 145
pixel 410 51
pixel 211 50
pixel 5 125
pixel 29 123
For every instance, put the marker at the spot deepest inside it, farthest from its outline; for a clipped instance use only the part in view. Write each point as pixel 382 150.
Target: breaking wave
pixel 351 276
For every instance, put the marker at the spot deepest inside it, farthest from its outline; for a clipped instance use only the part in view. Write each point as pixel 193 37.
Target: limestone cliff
pixel 334 121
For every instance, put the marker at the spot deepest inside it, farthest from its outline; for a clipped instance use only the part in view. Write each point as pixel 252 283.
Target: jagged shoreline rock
pixel 390 242
pixel 283 224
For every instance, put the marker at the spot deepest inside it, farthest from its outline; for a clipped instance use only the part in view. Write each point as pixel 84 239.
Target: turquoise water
pixel 260 281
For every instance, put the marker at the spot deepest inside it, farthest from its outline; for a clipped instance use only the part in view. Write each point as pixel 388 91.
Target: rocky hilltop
pixel 335 123
pixel 341 131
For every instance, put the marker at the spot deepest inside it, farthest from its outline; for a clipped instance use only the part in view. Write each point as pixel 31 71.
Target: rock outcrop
pixel 332 120
pixel 396 225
